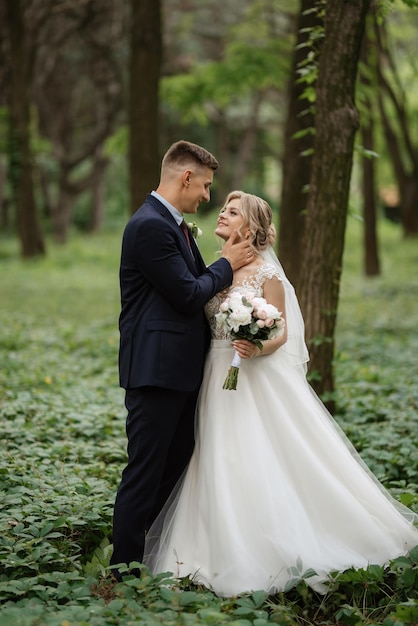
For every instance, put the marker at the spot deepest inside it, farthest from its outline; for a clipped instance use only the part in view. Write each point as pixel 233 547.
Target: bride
pixel 274 487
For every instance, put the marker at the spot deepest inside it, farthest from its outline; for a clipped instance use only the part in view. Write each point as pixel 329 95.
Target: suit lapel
pixel 196 265
pixel 199 262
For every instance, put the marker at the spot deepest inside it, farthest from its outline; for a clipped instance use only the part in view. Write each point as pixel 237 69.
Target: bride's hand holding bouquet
pixel 244 316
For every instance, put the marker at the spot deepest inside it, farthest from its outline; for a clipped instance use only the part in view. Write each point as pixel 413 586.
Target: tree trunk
pixel 20 155
pixel 297 155
pixel 145 69
pixel 406 174
pixel 222 180
pixel 370 241
pixel 398 132
pixel 371 254
pixel 336 122
pixel 409 205
pixel 248 144
pixel 4 204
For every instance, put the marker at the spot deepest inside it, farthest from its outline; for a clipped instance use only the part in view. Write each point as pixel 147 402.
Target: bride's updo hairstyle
pixel 258 218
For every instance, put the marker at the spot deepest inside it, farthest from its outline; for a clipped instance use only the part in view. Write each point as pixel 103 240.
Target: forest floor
pixel 64 443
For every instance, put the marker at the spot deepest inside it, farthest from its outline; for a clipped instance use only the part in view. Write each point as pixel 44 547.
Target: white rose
pixel 271 311
pixel 240 316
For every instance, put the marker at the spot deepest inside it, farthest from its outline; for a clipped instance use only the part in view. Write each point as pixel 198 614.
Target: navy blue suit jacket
pixel 163 329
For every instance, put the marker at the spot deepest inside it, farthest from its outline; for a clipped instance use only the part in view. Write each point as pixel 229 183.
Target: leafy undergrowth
pixel 64 446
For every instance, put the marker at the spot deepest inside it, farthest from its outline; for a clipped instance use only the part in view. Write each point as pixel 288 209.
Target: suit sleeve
pixel 153 248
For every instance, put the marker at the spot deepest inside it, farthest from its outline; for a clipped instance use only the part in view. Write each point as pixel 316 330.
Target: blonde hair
pixel 258 218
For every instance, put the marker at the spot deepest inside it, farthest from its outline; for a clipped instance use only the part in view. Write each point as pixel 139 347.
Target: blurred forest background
pixel 310 104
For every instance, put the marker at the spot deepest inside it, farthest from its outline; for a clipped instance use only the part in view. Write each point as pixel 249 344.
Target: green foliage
pixel 412 4
pixel 64 445
pixel 244 69
pixel 375 367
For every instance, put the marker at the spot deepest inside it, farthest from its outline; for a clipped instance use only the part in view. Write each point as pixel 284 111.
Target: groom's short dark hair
pixel 183 152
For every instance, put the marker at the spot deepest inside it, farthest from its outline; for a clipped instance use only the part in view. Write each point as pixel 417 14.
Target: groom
pixel 164 337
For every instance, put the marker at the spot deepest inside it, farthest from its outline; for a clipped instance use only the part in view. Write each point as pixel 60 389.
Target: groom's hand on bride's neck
pixel 237 252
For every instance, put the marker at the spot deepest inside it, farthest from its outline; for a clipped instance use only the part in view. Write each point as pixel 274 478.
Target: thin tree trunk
pixel 371 253
pixel 336 122
pixel 297 155
pixel 370 240
pixel 145 69
pixel 398 133
pixel 222 179
pixel 248 144
pixel 409 205
pixel 4 204
pixel 406 175
pixel 20 154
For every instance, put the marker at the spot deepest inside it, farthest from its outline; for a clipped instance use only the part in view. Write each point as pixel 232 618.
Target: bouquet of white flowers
pixel 247 317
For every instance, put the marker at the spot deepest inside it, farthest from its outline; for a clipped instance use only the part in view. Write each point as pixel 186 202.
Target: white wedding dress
pixel 274 488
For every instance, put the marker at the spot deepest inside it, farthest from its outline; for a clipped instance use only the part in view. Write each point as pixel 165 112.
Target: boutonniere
pixel 195 230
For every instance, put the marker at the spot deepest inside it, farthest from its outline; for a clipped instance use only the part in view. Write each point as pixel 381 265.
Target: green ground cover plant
pixel 63 444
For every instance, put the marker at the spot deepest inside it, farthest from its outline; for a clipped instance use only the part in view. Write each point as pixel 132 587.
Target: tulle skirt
pixel 274 489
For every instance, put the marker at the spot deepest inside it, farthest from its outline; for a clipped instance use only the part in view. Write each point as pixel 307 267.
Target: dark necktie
pixel 185 230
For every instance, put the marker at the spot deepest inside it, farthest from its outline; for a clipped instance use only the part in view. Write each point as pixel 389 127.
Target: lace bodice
pixel 252 283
